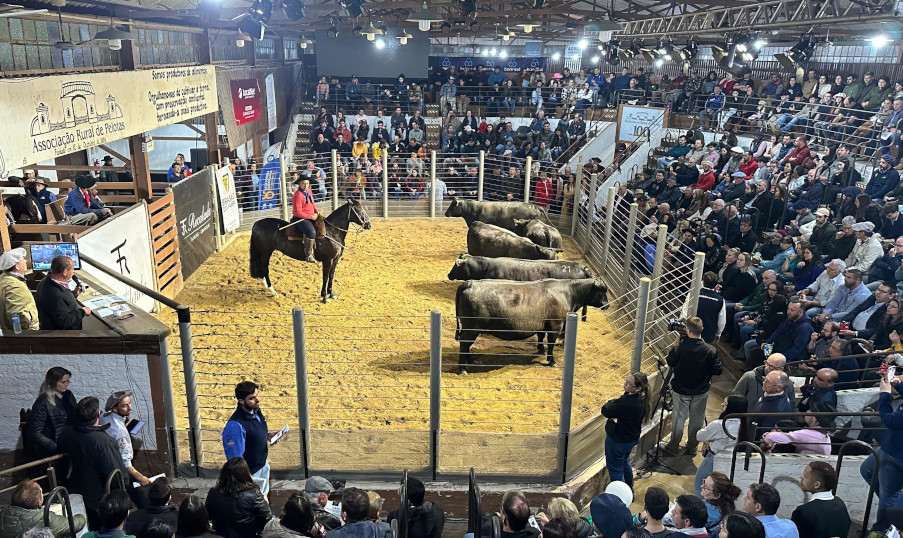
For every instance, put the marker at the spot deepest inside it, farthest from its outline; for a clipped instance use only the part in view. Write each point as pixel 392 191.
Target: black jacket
pixel 57 308
pixel 47 421
pixel 243 516
pixel 694 363
pixel 625 417
pixel 424 521
pixel 140 519
pixel 871 325
pixel 739 287
pixel 93 455
pixel 324 518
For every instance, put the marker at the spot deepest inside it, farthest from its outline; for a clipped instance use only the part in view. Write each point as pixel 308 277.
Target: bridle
pixel 358 227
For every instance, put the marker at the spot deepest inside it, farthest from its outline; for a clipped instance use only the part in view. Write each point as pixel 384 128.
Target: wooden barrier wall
pixel 164 232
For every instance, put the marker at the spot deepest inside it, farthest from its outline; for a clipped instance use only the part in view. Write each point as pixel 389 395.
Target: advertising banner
pixel 268 186
pixel 272 120
pixel 123 243
pixel 245 100
pixel 508 65
pixel 632 120
pixel 46 117
pixel 228 199
pixel 194 220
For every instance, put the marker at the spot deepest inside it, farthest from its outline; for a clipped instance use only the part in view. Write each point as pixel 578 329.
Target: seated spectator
pixel 93 455
pixel 846 368
pixel 742 525
pixel 763 501
pixel 297 520
pixel 750 385
pixel 790 338
pixel 716 440
pixel 57 307
pixel 112 511
pixel 564 510
pixel 193 520
pixel 425 518
pixel 720 496
pixel 236 506
pixel 681 149
pixel 825 515
pixel 655 508
pixel 821 391
pixel 15 297
pixel 846 298
pixel 160 509
pixel 818 294
pixel 809 440
pixel 52 411
pixel 25 512
pixel 610 514
pixel 689 515
pixel 867 248
pixel 82 208
pixel 558 528
pixel 355 511
pixel 158 529
pixel 774 400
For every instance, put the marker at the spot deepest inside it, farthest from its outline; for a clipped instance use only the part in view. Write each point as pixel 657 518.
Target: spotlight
pixel 797 55
pixel 354 8
pixel 380 43
pixel 371 32
pixel 357 31
pixel 253 23
pixel 468 7
pixel 503 54
pixel 304 42
pixel 293 9
pixel 583 44
pixel 445 28
pixel 485 52
pixel 595 59
pixel 880 40
pixel 760 43
pixel 556 56
pixel 493 52
pixel 332 33
pixel 658 63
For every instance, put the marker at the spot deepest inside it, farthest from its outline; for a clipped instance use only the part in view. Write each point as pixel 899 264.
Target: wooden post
pixel 140 168
pixel 4 231
pixel 251 53
pixel 212 140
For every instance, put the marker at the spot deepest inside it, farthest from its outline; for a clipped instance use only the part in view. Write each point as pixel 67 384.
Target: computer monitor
pixel 43 254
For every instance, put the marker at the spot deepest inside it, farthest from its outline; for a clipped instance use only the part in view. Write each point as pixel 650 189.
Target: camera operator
pixel 693 363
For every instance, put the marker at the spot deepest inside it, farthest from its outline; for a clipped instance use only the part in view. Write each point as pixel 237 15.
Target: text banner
pixel 245 100
pixel 194 220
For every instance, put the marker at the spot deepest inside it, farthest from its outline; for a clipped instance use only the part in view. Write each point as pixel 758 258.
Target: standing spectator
pixel 317 490
pixel 888 462
pixel 355 508
pixel 237 507
pixel 246 435
pixel 112 513
pixel 825 515
pixel 160 509
pixel 297 520
pixel 15 297
pixel 116 413
pixel 54 409
pixel 763 501
pixel 57 307
pixel 710 309
pixel 545 190
pixel 693 363
pixel 715 439
pixel 625 416
pixel 25 512
pixel 93 455
pixel 425 518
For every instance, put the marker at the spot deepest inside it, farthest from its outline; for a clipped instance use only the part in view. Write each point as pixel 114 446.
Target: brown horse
pixel 269 235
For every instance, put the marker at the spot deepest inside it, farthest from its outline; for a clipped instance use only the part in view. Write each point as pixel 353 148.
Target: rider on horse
pixel 304 213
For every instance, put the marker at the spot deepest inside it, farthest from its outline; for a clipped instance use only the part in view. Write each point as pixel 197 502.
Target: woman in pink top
pixel 811 440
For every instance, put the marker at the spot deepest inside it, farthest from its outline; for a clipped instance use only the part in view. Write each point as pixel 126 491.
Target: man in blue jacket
pixel 888 460
pixel 246 435
pixel 712 106
pixel 82 207
pixel 884 179
pixel 791 338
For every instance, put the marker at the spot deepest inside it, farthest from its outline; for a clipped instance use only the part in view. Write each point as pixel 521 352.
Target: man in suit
pixel 57 307
pixel 82 207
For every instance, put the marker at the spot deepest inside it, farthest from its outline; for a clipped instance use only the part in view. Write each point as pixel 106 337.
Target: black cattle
pixel 469 267
pixel 517 310
pixel 495 242
pixel 538 231
pixel 498 213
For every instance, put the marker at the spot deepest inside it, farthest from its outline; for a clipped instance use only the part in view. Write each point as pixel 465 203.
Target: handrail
pixel 403 508
pixel 873 483
pixel 67 508
pixel 113 474
pixel 29 465
pixel 748 447
pixel 795 414
pixel 137 285
pixel 474 506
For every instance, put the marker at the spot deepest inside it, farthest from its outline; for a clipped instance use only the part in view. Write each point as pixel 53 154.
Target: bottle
pixel 17 326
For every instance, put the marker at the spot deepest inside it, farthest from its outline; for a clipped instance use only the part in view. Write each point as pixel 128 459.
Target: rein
pixel 358 229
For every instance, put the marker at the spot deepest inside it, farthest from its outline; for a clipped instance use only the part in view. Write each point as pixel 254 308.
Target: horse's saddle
pixel 292 233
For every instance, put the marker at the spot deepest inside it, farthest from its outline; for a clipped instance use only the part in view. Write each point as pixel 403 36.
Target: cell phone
pixel 136 427
pixel 533 523
pixel 891 370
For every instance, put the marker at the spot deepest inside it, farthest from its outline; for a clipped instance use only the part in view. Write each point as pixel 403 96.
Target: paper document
pixel 279 435
pixel 151 478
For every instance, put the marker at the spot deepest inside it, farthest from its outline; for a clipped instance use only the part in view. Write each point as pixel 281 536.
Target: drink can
pixel 766 348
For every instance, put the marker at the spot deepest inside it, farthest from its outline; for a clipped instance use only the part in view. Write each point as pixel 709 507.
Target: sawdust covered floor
pixel 368 351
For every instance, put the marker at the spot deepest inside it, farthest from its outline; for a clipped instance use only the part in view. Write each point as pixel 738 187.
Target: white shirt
pixel 118 432
pixel 822 496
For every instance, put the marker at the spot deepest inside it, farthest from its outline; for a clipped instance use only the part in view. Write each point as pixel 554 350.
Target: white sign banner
pixel 635 119
pixel 46 117
pixel 228 200
pixel 573 55
pixel 123 243
pixel 272 121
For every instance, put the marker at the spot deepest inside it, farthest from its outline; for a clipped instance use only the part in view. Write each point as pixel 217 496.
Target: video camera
pixel 677 325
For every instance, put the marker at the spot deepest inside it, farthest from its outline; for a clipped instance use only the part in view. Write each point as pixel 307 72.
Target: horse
pixel 269 235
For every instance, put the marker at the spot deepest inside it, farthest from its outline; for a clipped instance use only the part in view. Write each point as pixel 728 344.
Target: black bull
pixel 496 242
pixel 517 310
pixel 497 213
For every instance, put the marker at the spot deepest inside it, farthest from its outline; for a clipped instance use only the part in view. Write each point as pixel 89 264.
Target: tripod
pixel 655 463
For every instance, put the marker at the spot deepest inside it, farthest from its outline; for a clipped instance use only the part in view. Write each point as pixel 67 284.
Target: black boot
pixel 309 250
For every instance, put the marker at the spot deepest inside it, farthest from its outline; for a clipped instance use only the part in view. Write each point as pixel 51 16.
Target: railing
pixel 50 474
pixel 63 494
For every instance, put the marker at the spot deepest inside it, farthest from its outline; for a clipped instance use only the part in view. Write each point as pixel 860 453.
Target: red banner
pixel 246 100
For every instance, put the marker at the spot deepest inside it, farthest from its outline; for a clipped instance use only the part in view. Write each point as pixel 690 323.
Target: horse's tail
pixel 263 240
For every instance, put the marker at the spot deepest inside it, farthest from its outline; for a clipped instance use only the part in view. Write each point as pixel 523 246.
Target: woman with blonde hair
pixel 53 410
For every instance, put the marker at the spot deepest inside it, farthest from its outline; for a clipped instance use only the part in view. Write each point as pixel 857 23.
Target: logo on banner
pixel 245 100
pixel 490 63
pixel 269 182
pixel 468 62
pixel 534 63
pixel 512 63
pixel 446 63
pixel 79 110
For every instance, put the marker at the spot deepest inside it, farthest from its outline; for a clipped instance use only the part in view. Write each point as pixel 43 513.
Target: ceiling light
pixel 371 31
pixel 493 52
pixel 240 40
pixel 503 54
pixel 332 33
pixel 113 33
pixel 583 44
pixel 304 42
pixel 380 43
pixel 403 37
pixel 556 56
pixel 445 28
pixel 880 40
pixel 595 59
pixel 254 21
pixel 114 44
pixel 528 26
pixel 760 43
pixel 424 18
pixel 485 52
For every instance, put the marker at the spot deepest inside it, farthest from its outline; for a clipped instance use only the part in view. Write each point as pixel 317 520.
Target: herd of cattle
pixel 515 285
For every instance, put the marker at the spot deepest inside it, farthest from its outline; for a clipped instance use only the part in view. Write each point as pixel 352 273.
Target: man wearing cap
pixel 83 208
pixel 824 231
pixel 57 308
pixel 610 514
pixel 15 298
pixel 317 490
pixel 116 413
pixel 884 178
pixel 867 248
pixel 736 189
